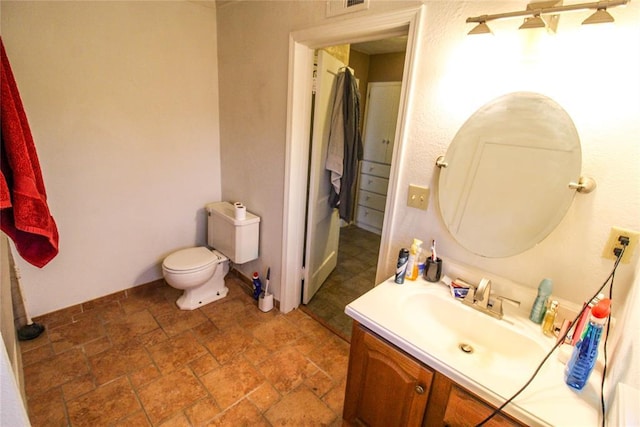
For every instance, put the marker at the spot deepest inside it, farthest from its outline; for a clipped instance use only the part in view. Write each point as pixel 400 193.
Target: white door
pixel 323 222
pixel 381 115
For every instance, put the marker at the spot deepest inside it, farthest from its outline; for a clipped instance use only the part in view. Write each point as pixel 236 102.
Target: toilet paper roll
pixel 240 211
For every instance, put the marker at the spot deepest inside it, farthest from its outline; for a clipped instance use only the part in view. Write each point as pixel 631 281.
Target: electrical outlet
pixel 614 243
pixel 418 197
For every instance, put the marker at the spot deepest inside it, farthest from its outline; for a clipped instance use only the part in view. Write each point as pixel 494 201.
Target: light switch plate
pixel 418 197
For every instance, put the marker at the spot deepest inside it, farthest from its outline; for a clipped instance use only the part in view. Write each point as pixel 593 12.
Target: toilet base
pixel 196 298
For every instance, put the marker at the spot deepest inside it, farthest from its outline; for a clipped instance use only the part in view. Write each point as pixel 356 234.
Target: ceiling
pixel 377 47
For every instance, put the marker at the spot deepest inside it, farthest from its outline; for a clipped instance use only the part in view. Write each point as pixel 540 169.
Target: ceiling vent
pixel 340 7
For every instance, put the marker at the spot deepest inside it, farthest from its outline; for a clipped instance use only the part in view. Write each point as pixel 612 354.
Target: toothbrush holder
pixel 433 270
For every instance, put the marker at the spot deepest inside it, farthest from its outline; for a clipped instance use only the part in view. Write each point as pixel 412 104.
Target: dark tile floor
pixel 135 359
pixel 354 275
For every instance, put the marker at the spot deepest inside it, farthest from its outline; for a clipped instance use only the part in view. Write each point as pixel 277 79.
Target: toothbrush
pixel 266 288
pixel 433 250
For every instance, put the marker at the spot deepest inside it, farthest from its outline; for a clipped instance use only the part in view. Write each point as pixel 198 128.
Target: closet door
pixel 381 115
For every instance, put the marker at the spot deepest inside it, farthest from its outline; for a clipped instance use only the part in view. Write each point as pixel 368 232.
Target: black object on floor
pixel 29 332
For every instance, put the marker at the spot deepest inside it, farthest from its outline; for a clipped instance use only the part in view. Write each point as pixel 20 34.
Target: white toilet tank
pixel 235 238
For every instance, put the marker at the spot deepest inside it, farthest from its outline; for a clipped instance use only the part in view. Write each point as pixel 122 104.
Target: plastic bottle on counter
pixel 582 322
pixel 549 319
pixel 412 263
pixel 540 304
pixel 401 268
pixel 585 352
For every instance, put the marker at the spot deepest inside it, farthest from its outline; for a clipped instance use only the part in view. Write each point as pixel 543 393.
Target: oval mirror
pixel 506 183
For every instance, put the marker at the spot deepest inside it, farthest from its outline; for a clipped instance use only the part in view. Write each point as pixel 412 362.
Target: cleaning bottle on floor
pixel 412 263
pixel 257 286
pixel 585 352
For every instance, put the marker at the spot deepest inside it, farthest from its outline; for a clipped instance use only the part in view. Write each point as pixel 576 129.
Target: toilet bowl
pixel 199 272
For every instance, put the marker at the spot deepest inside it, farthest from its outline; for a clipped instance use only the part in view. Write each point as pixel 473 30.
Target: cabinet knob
pixel 419 389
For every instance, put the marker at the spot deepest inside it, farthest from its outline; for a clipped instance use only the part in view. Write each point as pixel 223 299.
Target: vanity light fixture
pixel 481 28
pixel 545 14
pixel 600 16
pixel 534 22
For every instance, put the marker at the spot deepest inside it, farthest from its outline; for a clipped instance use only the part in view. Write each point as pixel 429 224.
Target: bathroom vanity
pixel 421 358
pixel 388 387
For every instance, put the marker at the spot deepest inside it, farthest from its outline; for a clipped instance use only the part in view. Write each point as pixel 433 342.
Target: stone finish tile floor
pixel 354 275
pixel 135 359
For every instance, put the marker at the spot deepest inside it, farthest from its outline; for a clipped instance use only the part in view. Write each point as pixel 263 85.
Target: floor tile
pixel 49 411
pixel 176 352
pixel 170 394
pixel 242 414
pixel 104 405
pixel 354 275
pixel 287 369
pixel 135 359
pixel 131 326
pixel 228 343
pixel 264 396
pixel 202 411
pixel 178 321
pixel 55 371
pixel 231 382
pixel 119 360
pixel 300 408
pixel 72 334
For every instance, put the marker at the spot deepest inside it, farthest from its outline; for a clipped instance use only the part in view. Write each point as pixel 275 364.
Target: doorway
pixel 302 46
pixel 378 67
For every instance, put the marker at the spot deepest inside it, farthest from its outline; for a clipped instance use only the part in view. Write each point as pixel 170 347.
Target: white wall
pixel 122 99
pixel 591 72
pixel 459 73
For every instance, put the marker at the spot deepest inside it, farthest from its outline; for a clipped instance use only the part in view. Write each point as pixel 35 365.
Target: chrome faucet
pixel 478 298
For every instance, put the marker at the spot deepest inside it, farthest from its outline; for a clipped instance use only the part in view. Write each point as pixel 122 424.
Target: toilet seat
pixel 191 260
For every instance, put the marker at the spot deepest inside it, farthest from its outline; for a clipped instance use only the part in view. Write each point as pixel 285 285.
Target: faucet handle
pixel 509 300
pixel 497 304
pixel 483 292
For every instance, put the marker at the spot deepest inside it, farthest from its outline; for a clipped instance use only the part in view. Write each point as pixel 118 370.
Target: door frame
pixel 301 48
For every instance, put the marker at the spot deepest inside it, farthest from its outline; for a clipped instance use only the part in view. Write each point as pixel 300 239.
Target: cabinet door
pixel 385 387
pixel 464 409
pixel 381 115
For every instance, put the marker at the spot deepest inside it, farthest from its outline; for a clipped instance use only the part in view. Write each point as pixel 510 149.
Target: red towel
pixel 24 214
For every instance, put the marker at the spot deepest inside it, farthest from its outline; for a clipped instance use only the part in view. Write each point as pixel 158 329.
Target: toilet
pixel 200 271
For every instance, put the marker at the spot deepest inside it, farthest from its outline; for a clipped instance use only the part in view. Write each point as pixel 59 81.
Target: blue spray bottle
pixel 257 286
pixel 585 352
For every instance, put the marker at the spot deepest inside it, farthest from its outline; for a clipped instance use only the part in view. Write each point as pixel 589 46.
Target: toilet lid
pixel 189 259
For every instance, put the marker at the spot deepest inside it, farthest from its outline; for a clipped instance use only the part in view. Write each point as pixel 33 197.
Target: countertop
pixel 547 401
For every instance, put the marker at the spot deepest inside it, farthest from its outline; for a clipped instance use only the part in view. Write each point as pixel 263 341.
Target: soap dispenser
pixel 540 304
pixel 412 264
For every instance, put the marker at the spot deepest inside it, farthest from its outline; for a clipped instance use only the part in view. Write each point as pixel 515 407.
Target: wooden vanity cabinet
pixel 387 387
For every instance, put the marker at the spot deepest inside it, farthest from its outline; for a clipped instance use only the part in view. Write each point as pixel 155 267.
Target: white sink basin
pixel 472 340
pixel 427 322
